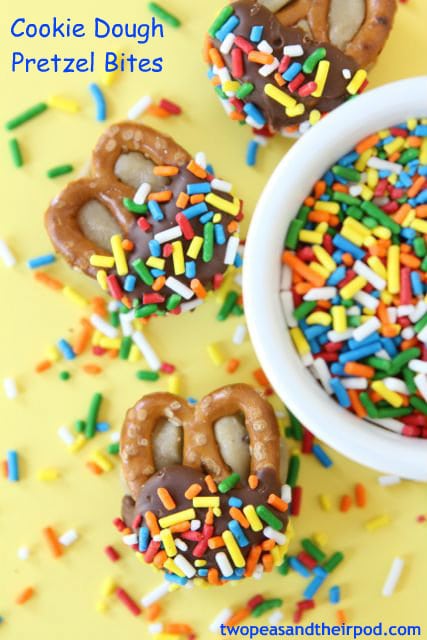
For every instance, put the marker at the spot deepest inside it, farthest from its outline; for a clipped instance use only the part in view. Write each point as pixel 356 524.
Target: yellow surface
pixel 33 318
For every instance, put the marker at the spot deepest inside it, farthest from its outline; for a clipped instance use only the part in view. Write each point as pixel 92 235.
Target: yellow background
pixel 34 317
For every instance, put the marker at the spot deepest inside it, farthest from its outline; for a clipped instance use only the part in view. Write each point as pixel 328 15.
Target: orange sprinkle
pixel 360 494
pixel 161 196
pixel 235 115
pixel 128 303
pixel 158 283
pixel 213 576
pixel 416 187
pixel 181 527
pixel 238 616
pixel 347 259
pixel 345 503
pixel 413 142
pixel 182 200
pixel 268 545
pixel 165 170
pixel 267 561
pixel 198 197
pixel 216 542
pixel 253 481
pixel 211 484
pixel 43 366
pixel 158 112
pixel 193 491
pixel 94 468
pixel 113 353
pixel 25 595
pixel 410 261
pixel 207 44
pixel 53 542
pixel 153 611
pixel 198 288
pixel 209 518
pixel 152 524
pixel 127 245
pixel 324 304
pixel 166 499
pixel 401 213
pixel 319 189
pixel 341 616
pixel 279 80
pixel 277 503
pixel 216 58
pixel 367 143
pixel 83 337
pixel 359 370
pixel 390 331
pixel 178 629
pixel 357 406
pixel 232 226
pixel 160 559
pixel 303 287
pixel 236 514
pixel 394 157
pixel 92 369
pixel 5 468
pixel 339 187
pixel 232 365
pixel 421 211
pixel 196 169
pixel 48 281
pixel 260 377
pixel 309 201
pixel 259 57
pixel 252 560
pixel 300 267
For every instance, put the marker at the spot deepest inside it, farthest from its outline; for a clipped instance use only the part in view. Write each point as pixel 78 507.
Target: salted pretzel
pixel 231 428
pixel 82 220
pixel 359 28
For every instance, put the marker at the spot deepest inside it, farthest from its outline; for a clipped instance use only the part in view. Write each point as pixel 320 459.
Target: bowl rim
pixel 336 134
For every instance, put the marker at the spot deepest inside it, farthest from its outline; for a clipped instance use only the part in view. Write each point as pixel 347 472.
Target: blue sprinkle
pixel 190 269
pixel 100 104
pixel 416 284
pixel 143 538
pixel 348 247
pixel 340 392
pixel 12 466
pixel 320 572
pixel 334 594
pixel 171 577
pixel 227 27
pixel 155 210
pixel 421 130
pixel 130 282
pixel 314 347
pixel 155 248
pixel 102 427
pixel 202 573
pixel 355 344
pixel 336 276
pixel 256 33
pixel 195 210
pixel 348 160
pixel 207 217
pixel 198 187
pixel 191 400
pixel 251 110
pixel 251 153
pixel 314 331
pixel 238 261
pixel 66 349
pixel 359 354
pixel 337 256
pixel 389 346
pixel 235 502
pixel 219 234
pixel 337 369
pixel 321 456
pixel 313 587
pixel 210 169
pixel 297 566
pixel 292 71
pixel 41 261
pixel 156 273
pixel 237 532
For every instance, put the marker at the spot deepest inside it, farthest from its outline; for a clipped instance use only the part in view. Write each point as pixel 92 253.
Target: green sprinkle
pixel 353 321
pixel 371 223
pixel 60 170
pixel 15 152
pixel 393 412
pixel 420 247
pixel 347 173
pixel 345 198
pixel 268 516
pixel 402 359
pixel 228 483
pixel 303 213
pixel 152 376
pixel 146 310
pixel 92 415
pixel 295 227
pixel 355 212
pixel 227 306
pixel 265 606
pixel 283 569
pixel 422 322
pixel 333 561
pixel 64 375
pixel 424 264
pixel 418 404
pixel 114 319
pixel 293 471
pixel 304 309
pixel 208 242
pixel 313 60
pixel 379 363
pixel 23 117
pixel 80 426
pixel 375 212
pixel 238 310
pixel 313 550
pixel 139 209
pixel 221 18
pixel 164 15
pixel 296 426
pixel 244 90
pixel 221 93
pixel 173 301
pixel 113 448
pixel 408 155
pixel 409 376
pixel 143 271
pixel 369 405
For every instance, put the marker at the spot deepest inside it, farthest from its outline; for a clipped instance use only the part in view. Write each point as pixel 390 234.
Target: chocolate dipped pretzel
pixel 154 227
pixel 205 484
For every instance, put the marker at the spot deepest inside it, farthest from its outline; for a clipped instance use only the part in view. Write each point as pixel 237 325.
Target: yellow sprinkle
pixel 172 567
pixel 352 235
pixel 233 549
pixel 105 262
pixel 366 193
pixel 299 341
pixel 350 289
pixel 178 258
pixel 64 104
pixel 339 318
pixel 295 111
pixel 363 160
pixel 252 517
pixel 372 177
pixel 134 354
pixel 311 237
pixel 386 297
pixel 217 218
pixel 109 343
pixel 391 397
pixel 278 552
pixel 377 523
pixel 119 254
pixel 392 179
pixel 174 384
pixel 53 354
pixel 356 82
pixel 384 133
pixel 168 542
pixel 195 246
pixel 376 265
pixel 200 563
pixel 203 502
pixel 382 232
pixel 325 502
pixel 215 353
pixel 319 317
pixel 411 123
pixel 108 77
pixel 78 443
pixel 315 266
pixel 102 461
pixel 177 518
pixel 409 218
pixel 74 296
pixel 322 227
pixel 232 207
pixel 314 116
pixel 369 241
pixel 419 225
pixel 324 258
pixel 108 587
pixel 101 277
pixel 217 512
pixel 321 77
pixel 48 474
pixel 393 269
pixel 357 226
pixel 101 606
pixel 423 152
pixel 395 145
pixel 320 538
pixel 279 96
pixel 155 263
pixel 330 207
pixel 96 337
pixel 230 86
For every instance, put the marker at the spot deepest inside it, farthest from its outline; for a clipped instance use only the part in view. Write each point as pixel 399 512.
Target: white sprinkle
pixel 353 311
pixel 238 277
pixel 10 388
pixel 355 383
pixel 275 617
pixel 259 572
pixel 355 190
pixel 366 300
pixel 384 165
pixel 200 158
pixel 130 539
pixel 272 534
pixel 189 306
pixel 393 576
pixel 68 538
pixel 239 334
pixel 231 250
pixel 366 272
pixel 388 423
pixel 195 524
pixel 339 336
pixel 251 121
pixel 223 564
pixel 179 288
pixel 286 493
pixel 407 333
pixel 181 545
pixel 224 75
pixel 147 350
pixel 285 278
pixel 6 254
pixel 113 305
pixel 346 74
pixel 220 618
pixel 267 69
pixel 388 481
pixel 155 627
pixel 422 336
pixel 396 384
pixel 183 564
pixel 104 327
pixel 66 436
pixel 264 46
pixel 228 108
pixel 307 360
pixel 322 373
pixel 321 293
pixel 382 353
pixel 260 139
pixel 157 537
pixel 287 301
pixel 139 107
pixel 227 44
pixel 293 50
pixel 221 185
pixel 304 127
pixel 168 234
pixel 365 329
pixel 126 320
pixel 418 312
pixel 115 436
pixel 23 553
pixel 421 382
pixel 155 595
pixel 142 193
pixel 405 310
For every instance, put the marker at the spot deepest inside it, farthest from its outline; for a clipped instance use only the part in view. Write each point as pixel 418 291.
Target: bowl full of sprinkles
pixel 336 297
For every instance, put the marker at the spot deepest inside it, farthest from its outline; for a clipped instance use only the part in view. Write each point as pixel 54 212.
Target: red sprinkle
pixel 112 553
pixel 128 601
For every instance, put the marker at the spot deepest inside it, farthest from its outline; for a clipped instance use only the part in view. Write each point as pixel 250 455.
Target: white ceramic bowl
pixel 290 183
